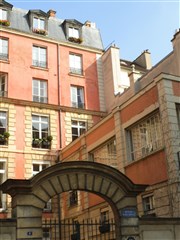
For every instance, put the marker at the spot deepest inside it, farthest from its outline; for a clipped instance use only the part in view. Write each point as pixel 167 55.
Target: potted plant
pixel 4 138
pixel 40 31
pixel 6 135
pixel 36 142
pixel 76 40
pixel 46 142
pixel 5 23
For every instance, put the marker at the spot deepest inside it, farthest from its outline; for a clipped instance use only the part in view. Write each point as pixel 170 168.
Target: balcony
pixel 78 71
pixel 3 56
pixel 78 105
pixel 3 93
pixel 40 99
pixel 41 64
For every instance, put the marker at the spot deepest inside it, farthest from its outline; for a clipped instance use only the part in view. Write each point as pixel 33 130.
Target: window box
pixel 44 143
pixel 40 31
pixel 4 138
pixel 36 143
pixel 5 23
pixel 75 40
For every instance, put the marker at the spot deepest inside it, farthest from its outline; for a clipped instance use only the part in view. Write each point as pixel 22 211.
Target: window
pixel 40 130
pixel 105 153
pixel 46 234
pixel 3 49
pixel 38 23
pixel 39 166
pixel 73 32
pixel 3 14
pixel 78 128
pixel 75 63
pixel 39 57
pixel 73 198
pixel 39 91
pixel 111 146
pixel 36 168
pixel 148 204
pixel 145 137
pixel 104 216
pixel 3 85
pixel 178 114
pixel 2 179
pixel 77 97
pixel 3 128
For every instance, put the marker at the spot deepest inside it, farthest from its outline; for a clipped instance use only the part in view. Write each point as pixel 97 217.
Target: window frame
pixel 6 120
pixel 75 64
pixel 1 14
pixel 6 54
pixel 73 198
pixel 3 90
pixel 37 62
pixel 145 136
pixel 39 19
pixel 178 114
pixel 48 206
pixel 78 127
pixel 148 210
pixel 4 173
pixel 73 32
pixel 38 97
pixel 40 137
pixel 77 98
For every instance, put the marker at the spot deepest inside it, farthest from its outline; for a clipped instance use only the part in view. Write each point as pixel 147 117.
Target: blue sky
pixel 133 26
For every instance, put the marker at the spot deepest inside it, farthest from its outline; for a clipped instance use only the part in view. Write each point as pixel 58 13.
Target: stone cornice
pixel 51 107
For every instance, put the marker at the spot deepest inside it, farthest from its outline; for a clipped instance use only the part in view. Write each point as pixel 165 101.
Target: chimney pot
pixel 51 13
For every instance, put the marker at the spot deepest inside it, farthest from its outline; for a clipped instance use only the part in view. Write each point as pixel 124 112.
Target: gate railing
pixel 73 230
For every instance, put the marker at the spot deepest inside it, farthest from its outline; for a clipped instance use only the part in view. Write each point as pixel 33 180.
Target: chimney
pixel 87 23
pixel 51 13
pixel 144 60
pixel 90 24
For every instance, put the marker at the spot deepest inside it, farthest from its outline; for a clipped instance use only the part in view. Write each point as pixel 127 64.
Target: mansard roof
pixel 38 12
pixel 19 20
pixel 73 21
pixel 5 4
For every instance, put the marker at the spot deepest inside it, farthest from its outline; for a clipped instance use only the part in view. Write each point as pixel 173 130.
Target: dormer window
pixel 5 7
pixel 3 14
pixel 38 21
pixel 73 30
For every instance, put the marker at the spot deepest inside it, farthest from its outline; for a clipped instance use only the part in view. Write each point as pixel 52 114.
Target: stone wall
pixel 8 229
pixel 161 229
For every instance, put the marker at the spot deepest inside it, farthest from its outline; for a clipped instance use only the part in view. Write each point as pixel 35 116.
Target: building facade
pixel 140 136
pixel 64 98
pixel 50 88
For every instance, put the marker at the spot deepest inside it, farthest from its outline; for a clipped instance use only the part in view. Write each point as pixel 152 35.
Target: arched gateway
pixel 30 196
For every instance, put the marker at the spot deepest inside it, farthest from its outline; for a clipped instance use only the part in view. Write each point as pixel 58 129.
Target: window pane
pixel 145 137
pixel 35 22
pixel 36 167
pixel 3 14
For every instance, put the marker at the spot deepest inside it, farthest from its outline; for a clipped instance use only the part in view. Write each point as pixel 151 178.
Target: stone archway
pixel 30 196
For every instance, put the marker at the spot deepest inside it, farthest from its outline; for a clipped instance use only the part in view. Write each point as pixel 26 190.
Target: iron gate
pixel 74 230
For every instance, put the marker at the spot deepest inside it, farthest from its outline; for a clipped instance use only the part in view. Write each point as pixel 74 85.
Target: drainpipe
pixel 60 138
pixel 59 94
